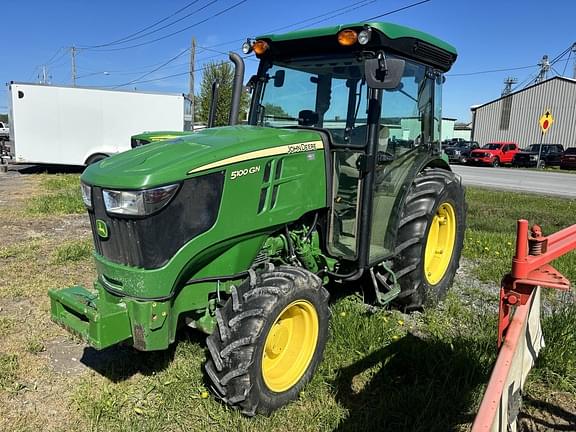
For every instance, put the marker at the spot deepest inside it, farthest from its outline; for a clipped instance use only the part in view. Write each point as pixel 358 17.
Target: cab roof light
pixel 364 36
pixel 247 46
pixel 260 47
pixel 347 37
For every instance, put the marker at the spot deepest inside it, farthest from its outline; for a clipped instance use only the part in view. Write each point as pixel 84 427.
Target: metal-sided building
pixel 515 117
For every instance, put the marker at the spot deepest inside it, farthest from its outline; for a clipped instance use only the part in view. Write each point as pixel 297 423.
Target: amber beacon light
pixel 347 37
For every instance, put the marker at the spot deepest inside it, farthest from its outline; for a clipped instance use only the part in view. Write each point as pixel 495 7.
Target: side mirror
pixel 384 73
pixel 279 78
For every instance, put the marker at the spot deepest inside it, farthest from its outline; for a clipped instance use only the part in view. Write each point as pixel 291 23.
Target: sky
pixel 489 35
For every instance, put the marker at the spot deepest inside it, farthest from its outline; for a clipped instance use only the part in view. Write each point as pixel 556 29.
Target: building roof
pixel 570 80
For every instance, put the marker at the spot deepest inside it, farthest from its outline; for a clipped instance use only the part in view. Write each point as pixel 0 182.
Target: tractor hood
pixel 174 160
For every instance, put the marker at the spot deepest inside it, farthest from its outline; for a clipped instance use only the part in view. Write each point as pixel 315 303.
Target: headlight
pixel 364 36
pixel 86 194
pixel 533 157
pixel 456 152
pixel 138 203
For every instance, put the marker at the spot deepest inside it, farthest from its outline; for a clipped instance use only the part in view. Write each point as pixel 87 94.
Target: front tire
pixel 496 162
pixel 270 339
pixel 430 238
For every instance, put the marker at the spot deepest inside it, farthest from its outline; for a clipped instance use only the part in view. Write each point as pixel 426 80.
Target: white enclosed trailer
pixel 78 125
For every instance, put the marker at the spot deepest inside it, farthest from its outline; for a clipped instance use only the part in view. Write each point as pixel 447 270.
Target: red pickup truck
pixel 494 154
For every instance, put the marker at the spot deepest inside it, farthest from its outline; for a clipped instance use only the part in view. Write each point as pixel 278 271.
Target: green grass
pixel 556 367
pixel 376 375
pixel 73 251
pixel 61 195
pixel 491 232
pixel 35 346
pixel 6 324
pixel 490 242
pixel 381 371
pixel 8 372
pixel 20 251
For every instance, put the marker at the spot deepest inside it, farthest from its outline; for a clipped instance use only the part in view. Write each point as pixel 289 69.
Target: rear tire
pixel 269 340
pixel 434 194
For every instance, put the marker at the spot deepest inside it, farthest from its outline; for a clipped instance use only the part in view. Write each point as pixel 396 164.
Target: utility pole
pixel 73 54
pixel 544 68
pixel 508 85
pixel 191 91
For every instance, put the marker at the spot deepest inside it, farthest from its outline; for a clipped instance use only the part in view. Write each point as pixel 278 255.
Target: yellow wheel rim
pixel 440 243
pixel 290 346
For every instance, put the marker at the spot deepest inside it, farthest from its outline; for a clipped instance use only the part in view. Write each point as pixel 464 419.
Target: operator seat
pixel 308 118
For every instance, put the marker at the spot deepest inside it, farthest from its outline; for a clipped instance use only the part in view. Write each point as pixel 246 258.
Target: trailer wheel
pixel 95 158
pixel 269 340
pixel 430 238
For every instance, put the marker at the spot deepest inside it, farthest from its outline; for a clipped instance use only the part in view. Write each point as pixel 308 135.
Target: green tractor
pixel 337 179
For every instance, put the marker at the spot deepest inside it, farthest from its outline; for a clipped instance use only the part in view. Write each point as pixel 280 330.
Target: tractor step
pixel 101 324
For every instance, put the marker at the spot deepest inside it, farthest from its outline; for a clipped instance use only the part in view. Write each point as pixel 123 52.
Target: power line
pixel 334 15
pixel 156 69
pixel 346 9
pixel 223 11
pixel 167 76
pixel 397 10
pixel 490 71
pixel 124 39
pixel 63 53
pixel 326 16
pixel 165 26
pixel 527 81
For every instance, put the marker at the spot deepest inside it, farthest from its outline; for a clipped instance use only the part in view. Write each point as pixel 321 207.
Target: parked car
pixel 4 131
pixel 460 152
pixel 549 156
pixel 494 154
pixel 568 159
pixel 451 142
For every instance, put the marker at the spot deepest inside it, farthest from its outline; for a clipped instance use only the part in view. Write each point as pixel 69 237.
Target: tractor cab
pixel 375 99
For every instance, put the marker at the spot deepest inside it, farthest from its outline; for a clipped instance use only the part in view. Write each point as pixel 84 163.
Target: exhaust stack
pixel 236 87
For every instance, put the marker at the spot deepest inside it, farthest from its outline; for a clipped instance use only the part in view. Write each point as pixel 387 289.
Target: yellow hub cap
pixel 290 346
pixel 440 243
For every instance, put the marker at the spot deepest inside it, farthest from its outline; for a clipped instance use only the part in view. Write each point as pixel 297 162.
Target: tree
pixel 274 110
pixel 224 73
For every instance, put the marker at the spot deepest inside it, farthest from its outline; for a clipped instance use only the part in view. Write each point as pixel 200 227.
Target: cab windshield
pixel 334 96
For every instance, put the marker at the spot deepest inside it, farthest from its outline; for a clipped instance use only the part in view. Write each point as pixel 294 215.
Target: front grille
pixel 149 242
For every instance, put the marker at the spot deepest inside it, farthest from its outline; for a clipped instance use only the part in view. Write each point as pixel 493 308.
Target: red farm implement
pixel 519 333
